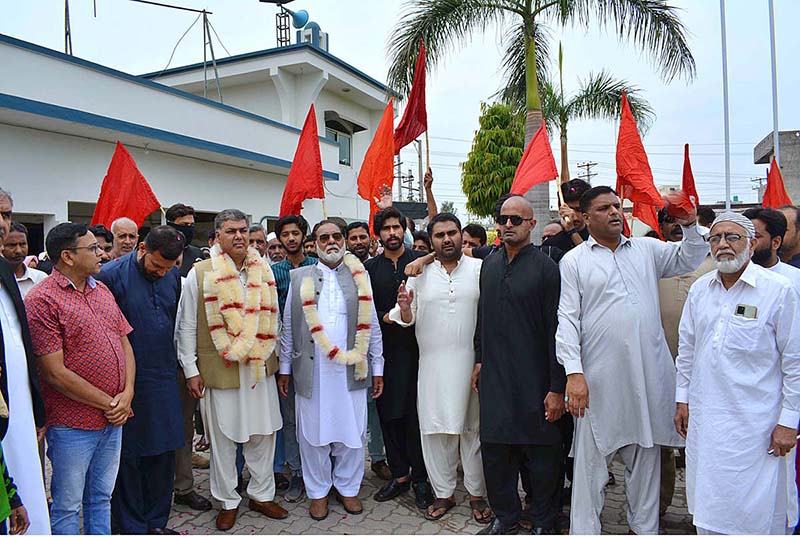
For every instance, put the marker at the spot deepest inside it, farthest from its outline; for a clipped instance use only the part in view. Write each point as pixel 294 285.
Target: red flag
pixel 537 164
pixel 634 177
pixel 775 194
pixel 377 170
pixel 415 117
pixel 305 176
pixel 124 192
pixel 687 183
pixel 647 214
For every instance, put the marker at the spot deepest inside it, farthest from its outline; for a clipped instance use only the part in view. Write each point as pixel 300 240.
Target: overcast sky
pixel 139 38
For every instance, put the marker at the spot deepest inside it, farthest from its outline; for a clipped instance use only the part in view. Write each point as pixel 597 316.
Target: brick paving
pixel 400 516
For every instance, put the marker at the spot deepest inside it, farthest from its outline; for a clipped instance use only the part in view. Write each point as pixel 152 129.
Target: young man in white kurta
pixel 738 386
pixel 610 339
pixel 444 310
pixel 248 415
pixel 332 422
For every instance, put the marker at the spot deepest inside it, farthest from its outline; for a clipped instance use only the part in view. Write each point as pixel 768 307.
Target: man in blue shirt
pixel 291 231
pixel 147 287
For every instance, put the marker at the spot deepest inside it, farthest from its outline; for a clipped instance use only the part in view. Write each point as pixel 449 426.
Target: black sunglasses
pixel 515 219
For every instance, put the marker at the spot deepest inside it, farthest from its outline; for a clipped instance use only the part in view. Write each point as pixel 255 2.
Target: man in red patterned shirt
pixel 87 367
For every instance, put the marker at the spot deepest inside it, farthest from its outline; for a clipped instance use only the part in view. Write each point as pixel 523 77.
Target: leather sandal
pixel 439 504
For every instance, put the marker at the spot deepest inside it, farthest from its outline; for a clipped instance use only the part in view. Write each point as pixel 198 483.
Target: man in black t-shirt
pixel 575 230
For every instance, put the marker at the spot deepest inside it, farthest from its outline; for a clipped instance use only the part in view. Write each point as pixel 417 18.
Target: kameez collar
pixel 749 276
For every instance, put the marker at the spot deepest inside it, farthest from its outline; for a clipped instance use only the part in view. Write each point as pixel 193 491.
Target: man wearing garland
pixel 331 344
pixel 226 335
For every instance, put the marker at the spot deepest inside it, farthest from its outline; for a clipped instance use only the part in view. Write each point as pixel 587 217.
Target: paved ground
pixel 400 516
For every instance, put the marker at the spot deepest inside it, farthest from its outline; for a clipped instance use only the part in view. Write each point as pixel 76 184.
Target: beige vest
pixel 214 370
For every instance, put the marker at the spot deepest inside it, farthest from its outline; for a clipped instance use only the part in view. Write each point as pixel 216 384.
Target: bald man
pixel 126 236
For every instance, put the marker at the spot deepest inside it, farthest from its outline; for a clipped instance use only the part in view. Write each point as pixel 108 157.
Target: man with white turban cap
pixel 738 390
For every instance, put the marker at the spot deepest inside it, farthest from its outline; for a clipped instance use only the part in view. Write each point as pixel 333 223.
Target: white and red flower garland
pixel 358 354
pixel 243 321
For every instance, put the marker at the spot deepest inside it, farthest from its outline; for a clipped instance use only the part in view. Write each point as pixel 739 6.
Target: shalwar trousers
pixel 259 453
pixel 442 453
pixel 142 495
pixel 401 439
pixel 331 465
pixel 501 467
pixel 642 483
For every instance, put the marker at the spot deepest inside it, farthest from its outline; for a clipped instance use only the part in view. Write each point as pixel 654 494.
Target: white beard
pixel 730 266
pixel 331 258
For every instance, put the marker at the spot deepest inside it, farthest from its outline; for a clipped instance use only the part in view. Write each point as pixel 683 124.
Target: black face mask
pixel 188 231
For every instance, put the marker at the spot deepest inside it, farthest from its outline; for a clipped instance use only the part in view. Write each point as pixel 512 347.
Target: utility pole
pixel 587 171
pixel 759 187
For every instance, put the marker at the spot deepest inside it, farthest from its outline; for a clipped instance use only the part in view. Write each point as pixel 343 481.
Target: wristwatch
pixel 572 231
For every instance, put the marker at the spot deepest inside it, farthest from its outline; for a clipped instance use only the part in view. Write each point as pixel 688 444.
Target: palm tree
pixel 445 24
pixel 598 97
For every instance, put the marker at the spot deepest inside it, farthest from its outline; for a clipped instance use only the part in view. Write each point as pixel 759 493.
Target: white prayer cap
pixel 272 236
pixel 739 220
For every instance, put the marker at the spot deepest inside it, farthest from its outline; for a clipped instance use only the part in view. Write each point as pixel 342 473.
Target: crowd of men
pixel 300 352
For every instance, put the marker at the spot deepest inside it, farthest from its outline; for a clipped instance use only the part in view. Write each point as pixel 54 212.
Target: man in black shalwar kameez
pixel 520 382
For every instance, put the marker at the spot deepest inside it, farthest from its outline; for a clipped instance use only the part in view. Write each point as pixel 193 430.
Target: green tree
pixel 495 154
pixel 449 207
pixel 444 25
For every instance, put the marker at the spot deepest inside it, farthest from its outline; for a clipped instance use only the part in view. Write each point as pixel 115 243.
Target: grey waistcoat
pixel 303 344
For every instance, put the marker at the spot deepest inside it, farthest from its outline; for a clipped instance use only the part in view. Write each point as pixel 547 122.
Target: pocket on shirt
pixel 743 333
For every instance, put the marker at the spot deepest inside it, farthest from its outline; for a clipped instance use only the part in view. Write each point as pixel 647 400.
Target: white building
pixel 60 117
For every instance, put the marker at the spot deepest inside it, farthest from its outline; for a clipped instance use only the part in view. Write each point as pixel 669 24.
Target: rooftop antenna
pixel 208 45
pixel 67 30
pixel 299 19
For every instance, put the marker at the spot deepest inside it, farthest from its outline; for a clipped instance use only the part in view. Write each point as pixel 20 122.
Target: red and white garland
pixel 243 321
pixel 358 354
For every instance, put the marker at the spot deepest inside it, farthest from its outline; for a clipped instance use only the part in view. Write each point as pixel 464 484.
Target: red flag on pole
pixel 377 170
pixel 537 164
pixel 415 116
pixel 305 176
pixel 775 194
pixel 124 192
pixel 687 183
pixel 634 177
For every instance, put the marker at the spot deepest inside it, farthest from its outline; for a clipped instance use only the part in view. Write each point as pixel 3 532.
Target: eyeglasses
pixel 515 219
pixel 92 247
pixel 325 237
pixel 730 238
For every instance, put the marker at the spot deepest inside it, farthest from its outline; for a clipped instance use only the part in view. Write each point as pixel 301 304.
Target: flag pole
pixel 324 210
pixel 775 135
pixel 427 149
pixel 725 106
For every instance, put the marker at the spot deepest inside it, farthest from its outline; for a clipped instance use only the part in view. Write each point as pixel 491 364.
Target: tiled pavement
pixel 400 516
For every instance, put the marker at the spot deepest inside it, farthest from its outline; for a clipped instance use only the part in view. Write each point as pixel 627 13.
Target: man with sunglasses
pixel 617 361
pixel 87 366
pixel 331 394
pixel 738 389
pixel 672 293
pixel 521 385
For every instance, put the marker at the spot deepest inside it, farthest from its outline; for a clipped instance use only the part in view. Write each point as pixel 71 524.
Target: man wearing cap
pixel 618 365
pixel 275 250
pixel 738 389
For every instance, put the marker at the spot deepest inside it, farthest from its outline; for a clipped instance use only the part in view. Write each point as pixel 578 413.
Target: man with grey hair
pixel 738 389
pixel 126 236
pixel 6 205
pixel 226 331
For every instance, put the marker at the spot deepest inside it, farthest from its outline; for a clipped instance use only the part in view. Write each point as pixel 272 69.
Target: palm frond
pixel 600 97
pixel 653 25
pixel 443 25
pixel 513 66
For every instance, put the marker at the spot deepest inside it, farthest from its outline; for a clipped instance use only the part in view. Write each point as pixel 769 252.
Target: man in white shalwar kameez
pixel 239 401
pixel 618 365
pixel 330 396
pixel 738 390
pixel 442 303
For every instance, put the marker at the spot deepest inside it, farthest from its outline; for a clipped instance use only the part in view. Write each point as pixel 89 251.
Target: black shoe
pixel 296 491
pixel 194 501
pixel 392 490
pixel 281 482
pixel 497 528
pixel 162 531
pixel 423 495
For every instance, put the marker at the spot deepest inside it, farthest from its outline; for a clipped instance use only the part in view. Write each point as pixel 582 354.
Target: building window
pixel 345 144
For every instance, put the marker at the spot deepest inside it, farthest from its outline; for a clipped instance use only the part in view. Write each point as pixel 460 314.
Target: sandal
pixel 202 445
pixel 439 504
pixel 481 511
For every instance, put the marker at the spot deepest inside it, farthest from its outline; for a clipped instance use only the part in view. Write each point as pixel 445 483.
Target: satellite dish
pixel 299 18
